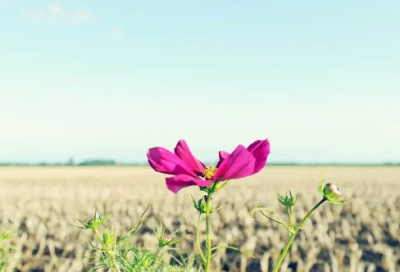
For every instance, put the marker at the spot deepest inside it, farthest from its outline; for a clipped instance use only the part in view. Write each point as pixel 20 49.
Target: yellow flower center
pixel 209 172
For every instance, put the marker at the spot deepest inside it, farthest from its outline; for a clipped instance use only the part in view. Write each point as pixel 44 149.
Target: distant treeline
pixel 69 163
pixel 102 162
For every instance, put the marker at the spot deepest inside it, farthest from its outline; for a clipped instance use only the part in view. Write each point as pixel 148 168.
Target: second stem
pixel 106 250
pixel 293 234
pixel 208 230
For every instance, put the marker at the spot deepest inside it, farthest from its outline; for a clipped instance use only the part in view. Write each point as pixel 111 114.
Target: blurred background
pixel 96 84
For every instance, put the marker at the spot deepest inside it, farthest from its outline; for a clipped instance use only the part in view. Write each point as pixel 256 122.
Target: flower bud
pixel 331 188
pixel 201 204
pixel 167 240
pixel 332 193
pixel 109 238
pixel 287 200
pixel 95 221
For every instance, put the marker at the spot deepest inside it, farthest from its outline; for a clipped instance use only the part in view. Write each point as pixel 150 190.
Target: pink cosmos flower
pixel 188 171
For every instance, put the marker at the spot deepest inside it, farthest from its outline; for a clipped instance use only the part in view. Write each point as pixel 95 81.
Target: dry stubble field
pixel 41 203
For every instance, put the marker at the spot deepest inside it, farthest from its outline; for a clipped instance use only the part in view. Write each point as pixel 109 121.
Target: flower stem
pixel 302 222
pixel 159 250
pixel 208 207
pixel 106 249
pixel 293 235
pixel 285 250
pixel 198 239
pixel 290 212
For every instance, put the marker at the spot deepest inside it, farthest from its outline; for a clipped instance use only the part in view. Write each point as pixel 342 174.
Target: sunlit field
pixel 42 205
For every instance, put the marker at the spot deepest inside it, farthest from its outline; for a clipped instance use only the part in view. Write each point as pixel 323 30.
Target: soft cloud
pixel 54 12
pixel 117 32
pixel 81 16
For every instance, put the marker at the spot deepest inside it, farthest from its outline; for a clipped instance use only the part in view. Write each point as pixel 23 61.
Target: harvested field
pixel 41 203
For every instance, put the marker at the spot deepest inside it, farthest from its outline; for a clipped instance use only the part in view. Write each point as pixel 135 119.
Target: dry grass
pixel 362 235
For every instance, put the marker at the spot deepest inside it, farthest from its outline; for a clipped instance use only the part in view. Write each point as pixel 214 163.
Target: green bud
pixel 331 192
pixel 287 200
pixel 109 238
pixel 201 204
pixel 332 189
pixel 95 221
pixel 167 240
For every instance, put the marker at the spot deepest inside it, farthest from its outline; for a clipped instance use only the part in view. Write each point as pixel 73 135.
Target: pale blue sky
pixel 90 79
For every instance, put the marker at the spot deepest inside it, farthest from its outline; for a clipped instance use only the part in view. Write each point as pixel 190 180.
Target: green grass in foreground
pixel 117 253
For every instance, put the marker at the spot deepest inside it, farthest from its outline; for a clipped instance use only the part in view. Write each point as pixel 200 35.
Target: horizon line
pixel 111 162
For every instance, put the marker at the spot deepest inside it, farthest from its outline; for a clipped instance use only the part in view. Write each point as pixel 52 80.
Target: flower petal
pixel 222 157
pixel 260 150
pixel 182 151
pixel 179 182
pixel 164 161
pixel 237 165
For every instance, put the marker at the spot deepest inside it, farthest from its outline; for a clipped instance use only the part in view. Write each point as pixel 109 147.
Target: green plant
pixel 330 192
pixel 6 251
pixel 118 254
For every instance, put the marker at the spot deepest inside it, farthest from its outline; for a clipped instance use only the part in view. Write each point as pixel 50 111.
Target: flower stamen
pixel 209 172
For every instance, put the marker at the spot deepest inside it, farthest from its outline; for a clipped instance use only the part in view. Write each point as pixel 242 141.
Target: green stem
pixel 290 212
pixel 159 254
pixel 285 250
pixel 293 235
pixel 106 249
pixel 198 239
pixel 159 250
pixel 301 224
pixel 208 206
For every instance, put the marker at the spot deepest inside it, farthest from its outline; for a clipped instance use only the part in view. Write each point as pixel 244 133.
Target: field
pixel 41 204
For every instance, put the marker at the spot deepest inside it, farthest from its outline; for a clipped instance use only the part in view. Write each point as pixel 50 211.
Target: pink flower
pixel 189 171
